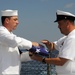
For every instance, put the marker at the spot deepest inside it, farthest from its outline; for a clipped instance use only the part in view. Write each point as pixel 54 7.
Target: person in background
pixel 65 60
pixel 10 61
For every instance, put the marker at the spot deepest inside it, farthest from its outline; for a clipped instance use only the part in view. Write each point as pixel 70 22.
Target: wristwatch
pixel 43 61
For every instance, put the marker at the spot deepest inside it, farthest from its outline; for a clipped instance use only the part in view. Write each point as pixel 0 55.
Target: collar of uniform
pixel 71 33
pixel 2 27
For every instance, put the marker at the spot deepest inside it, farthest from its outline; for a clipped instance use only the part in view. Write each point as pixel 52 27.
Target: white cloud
pixel 69 5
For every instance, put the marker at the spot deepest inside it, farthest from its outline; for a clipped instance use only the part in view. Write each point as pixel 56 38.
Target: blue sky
pixel 36 17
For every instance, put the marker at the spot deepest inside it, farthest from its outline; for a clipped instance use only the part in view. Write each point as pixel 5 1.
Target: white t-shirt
pixel 66 47
pixel 9 53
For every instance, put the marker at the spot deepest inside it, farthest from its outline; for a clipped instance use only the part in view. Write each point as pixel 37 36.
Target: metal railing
pixel 38 68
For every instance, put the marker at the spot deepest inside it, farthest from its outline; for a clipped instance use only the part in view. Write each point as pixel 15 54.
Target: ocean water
pixel 38 68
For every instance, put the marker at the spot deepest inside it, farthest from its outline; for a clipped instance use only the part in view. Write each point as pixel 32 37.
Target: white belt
pixel 66 74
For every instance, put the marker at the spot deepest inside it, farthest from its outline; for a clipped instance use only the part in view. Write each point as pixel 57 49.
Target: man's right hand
pixel 48 44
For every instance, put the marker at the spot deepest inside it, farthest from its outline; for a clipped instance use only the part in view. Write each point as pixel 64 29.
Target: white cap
pixel 64 15
pixel 9 13
pixel 59 12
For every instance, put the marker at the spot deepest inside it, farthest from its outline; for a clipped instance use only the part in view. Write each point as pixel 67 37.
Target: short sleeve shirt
pixel 66 47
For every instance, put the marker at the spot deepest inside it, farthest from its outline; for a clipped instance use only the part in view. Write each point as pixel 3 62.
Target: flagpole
pixel 49 65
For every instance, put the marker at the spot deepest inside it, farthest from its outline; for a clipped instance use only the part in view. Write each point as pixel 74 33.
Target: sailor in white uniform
pixel 10 61
pixel 65 60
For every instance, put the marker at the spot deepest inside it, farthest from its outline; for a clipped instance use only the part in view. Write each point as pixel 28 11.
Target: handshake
pixel 39 50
